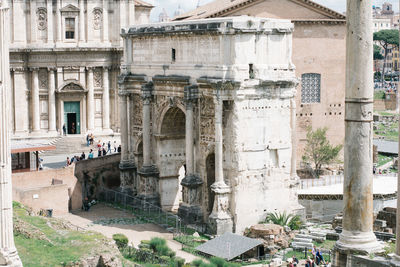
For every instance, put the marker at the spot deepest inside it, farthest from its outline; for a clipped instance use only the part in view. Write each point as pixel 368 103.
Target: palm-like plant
pixel 284 219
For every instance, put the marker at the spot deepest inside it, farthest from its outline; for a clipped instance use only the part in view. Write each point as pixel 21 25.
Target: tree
pixel 377 52
pixel 318 150
pixel 386 39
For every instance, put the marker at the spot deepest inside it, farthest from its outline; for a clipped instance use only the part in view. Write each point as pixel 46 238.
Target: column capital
pixel 123 93
pixel 106 68
pixel 34 69
pixel 191 94
pixel 18 69
pixel 147 92
pixel 51 69
pixel 90 69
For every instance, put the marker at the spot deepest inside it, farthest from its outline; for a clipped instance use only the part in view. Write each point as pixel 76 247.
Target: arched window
pixel 310 88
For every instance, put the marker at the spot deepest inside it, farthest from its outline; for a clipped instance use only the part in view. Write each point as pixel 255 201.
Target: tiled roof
pixel 142 3
pixel 219 7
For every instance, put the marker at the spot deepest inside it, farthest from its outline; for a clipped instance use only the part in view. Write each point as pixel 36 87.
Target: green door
pixel 72 117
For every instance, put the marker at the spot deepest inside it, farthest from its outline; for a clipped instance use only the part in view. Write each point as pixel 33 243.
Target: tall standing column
pixel 90 100
pixel 189 210
pixel 81 21
pixel 33 23
pixel 21 102
pixel 8 252
pixel 357 232
pixel 59 24
pixel 105 21
pixel 35 101
pixel 220 219
pixel 131 12
pixel 149 174
pixel 52 102
pixel 50 37
pixel 106 102
pixel 124 163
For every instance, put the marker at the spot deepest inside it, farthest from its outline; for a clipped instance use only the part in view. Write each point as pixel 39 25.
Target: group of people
pixel 316 259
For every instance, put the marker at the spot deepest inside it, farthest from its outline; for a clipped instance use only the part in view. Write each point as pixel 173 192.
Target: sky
pixel 187 5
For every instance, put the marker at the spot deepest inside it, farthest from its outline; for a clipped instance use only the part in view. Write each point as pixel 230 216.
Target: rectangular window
pixel 70 28
pixel 173 54
pixel 311 88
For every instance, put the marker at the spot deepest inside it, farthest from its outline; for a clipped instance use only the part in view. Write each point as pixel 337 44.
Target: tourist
pixel 73 128
pixel 87 140
pixel 104 151
pixel 314 252
pixel 68 161
pixel 295 261
pixel 40 164
pixel 91 139
pixel 90 156
pixel 109 146
pixel 320 258
pixel 99 144
pixel 73 159
pixel 99 152
pixel 83 156
pixel 64 129
pixel 309 262
pixel 119 149
pixel 115 146
pixel 86 205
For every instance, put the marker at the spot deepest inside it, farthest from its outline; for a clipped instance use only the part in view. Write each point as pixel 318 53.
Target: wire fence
pixel 150 212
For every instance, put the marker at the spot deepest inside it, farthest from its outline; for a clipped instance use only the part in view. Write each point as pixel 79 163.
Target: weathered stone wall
pixel 98 172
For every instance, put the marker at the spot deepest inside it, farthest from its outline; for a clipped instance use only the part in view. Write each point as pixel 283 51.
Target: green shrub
pixel 207 265
pixel 121 240
pixel 197 263
pixel 144 255
pixel 179 262
pixel 156 241
pixel 165 259
pixel 144 246
pixel 232 264
pixel 147 242
pixel 218 261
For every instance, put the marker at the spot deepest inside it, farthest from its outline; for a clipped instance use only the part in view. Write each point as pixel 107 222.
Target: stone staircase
pixel 304 240
pixel 76 144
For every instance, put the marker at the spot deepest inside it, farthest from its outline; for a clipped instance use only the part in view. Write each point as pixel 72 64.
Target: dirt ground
pixel 135 233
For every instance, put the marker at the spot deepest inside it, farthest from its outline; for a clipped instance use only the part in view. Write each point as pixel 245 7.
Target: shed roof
pixel 29 146
pixel 388 147
pixel 228 246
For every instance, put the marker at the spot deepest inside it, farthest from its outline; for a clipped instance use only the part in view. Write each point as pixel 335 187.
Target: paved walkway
pixel 135 233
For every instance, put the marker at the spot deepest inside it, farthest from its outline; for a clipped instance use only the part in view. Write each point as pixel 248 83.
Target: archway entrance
pixel 72 117
pixel 210 169
pixel 171 153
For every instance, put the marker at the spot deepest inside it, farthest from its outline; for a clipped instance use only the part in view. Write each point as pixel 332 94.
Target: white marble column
pixel 90 100
pixel 146 129
pixel 35 101
pixel 189 210
pixel 21 102
pixel 50 37
pixel 33 23
pixel 59 22
pixel 52 101
pixel 124 163
pixel 105 21
pixel 81 21
pixel 8 252
pixel 293 163
pixel 106 102
pixel 357 234
pixel 220 220
pixel 19 18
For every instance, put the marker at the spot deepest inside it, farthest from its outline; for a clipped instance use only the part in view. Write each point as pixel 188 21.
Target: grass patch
pixel 382 160
pixel 48 242
pixel 390 132
pixel 301 256
pixel 379 94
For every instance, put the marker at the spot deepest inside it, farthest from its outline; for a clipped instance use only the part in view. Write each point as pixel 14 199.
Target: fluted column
pixel 35 101
pixel 50 37
pixel 105 21
pixel 106 102
pixel 357 234
pixel 90 100
pixel 52 101
pixel 33 23
pixel 8 252
pixel 149 173
pixel 124 138
pixel 81 21
pixel 220 219
pixel 21 102
pixel 189 210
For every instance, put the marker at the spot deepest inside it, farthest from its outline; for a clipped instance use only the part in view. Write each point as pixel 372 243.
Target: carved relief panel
pixel 207 114
pixel 97 18
pixel 97 78
pixel 41 14
pixel 43 79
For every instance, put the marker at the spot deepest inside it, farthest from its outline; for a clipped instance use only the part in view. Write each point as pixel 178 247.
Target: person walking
pixel 64 130
pixel 83 156
pixel 119 149
pixel 87 140
pixel 90 156
pixel 68 161
pixel 109 146
pixel 115 146
pixel 99 152
pixel 104 151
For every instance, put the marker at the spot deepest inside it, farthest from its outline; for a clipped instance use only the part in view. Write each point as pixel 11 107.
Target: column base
pixel 190 214
pixel 127 171
pixel 220 226
pixel 10 258
pixel 192 181
pixel 350 243
pixel 52 133
pixel 148 184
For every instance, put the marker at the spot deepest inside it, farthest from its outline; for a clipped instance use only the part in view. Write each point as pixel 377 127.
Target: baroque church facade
pixel 65 58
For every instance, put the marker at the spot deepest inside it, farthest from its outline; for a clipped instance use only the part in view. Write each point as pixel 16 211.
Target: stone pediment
pixel 69 8
pixel 71 87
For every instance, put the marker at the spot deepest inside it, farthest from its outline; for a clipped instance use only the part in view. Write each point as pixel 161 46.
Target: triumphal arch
pixel 215 96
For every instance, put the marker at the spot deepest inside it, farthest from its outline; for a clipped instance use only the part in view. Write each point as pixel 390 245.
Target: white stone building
pixel 65 59
pixel 217 96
